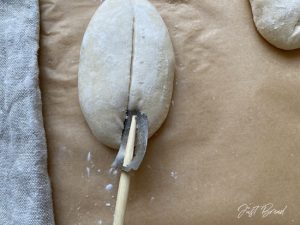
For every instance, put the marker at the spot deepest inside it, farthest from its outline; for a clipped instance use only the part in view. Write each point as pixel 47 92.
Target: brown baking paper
pixel 231 137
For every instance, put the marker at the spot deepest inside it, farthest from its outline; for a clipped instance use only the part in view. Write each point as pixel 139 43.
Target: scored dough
pixel 278 21
pixel 126 62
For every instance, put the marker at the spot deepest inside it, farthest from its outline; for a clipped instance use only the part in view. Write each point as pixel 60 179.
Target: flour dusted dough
pixel 126 62
pixel 278 21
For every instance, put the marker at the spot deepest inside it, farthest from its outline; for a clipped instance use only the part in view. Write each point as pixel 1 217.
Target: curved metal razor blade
pixel 141 142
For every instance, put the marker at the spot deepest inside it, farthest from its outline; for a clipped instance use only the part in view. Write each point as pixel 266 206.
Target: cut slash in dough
pixel 278 21
pixel 126 63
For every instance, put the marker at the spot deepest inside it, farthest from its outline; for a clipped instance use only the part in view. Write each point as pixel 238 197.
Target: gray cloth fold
pixel 25 194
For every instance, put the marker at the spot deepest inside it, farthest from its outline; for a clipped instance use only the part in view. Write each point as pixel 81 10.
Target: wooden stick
pixel 125 177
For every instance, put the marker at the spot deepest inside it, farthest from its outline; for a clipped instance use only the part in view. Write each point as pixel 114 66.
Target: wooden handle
pixel 125 177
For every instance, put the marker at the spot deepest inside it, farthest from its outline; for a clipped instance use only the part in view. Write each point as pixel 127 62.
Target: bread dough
pixel 126 63
pixel 278 21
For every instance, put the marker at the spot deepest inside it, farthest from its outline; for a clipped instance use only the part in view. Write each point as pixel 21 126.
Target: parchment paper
pixel 231 136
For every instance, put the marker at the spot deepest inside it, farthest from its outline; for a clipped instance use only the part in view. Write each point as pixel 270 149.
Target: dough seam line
pixel 131 60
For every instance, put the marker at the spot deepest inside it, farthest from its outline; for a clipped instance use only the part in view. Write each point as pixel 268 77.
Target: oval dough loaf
pixel 278 21
pixel 126 63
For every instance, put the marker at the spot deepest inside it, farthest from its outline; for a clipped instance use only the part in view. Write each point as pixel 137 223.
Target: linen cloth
pixel 25 195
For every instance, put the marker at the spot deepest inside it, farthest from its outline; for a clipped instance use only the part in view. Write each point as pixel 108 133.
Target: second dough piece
pixel 278 21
